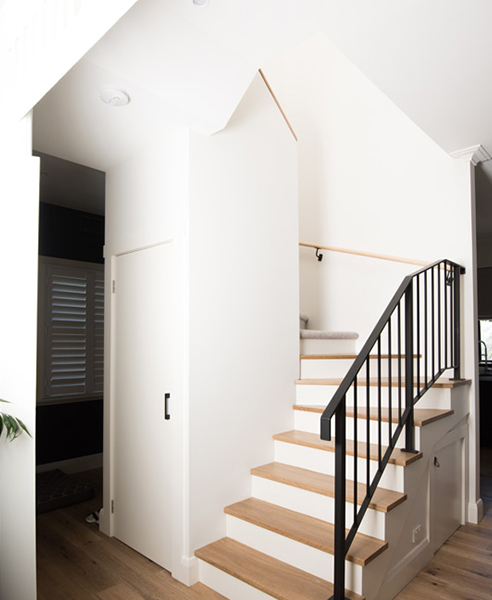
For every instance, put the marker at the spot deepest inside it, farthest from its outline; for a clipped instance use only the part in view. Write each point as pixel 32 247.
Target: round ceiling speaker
pixel 114 96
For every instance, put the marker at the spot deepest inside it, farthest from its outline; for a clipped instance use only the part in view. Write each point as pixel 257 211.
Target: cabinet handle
pixel 436 462
pixel 167 416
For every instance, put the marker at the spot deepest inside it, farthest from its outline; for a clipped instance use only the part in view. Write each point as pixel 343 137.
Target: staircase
pixel 352 515
pixel 279 542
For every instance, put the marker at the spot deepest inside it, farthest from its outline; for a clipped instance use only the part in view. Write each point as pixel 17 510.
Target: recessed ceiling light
pixel 200 3
pixel 114 96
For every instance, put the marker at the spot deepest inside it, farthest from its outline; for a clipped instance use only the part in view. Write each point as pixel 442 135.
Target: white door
pixel 143 373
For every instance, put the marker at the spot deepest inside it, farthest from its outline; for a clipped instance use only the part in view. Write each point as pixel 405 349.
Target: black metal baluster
pixel 368 423
pixel 390 389
pixel 452 319
pixel 433 310
pixel 356 449
pixel 379 403
pixel 426 329
pixel 399 362
pixel 340 500
pixel 457 322
pixel 439 331
pixel 446 316
pixel 418 334
pixel 409 428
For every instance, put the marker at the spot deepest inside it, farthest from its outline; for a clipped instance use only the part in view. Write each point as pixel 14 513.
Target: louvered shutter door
pixel 73 331
pixel 98 333
pixel 66 323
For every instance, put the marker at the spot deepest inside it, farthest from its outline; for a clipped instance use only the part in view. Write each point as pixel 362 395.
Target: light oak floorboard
pixel 78 562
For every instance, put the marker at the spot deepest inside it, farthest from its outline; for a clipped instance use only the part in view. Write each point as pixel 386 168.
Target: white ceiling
pixel 183 64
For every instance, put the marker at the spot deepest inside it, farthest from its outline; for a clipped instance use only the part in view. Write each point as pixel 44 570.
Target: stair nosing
pixel 287 478
pixel 420 418
pixel 255 506
pixel 349 356
pixel 336 381
pixel 312 440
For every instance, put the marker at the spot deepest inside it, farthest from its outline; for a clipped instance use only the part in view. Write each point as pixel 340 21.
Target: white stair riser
pixel 327 346
pixel 227 585
pixel 324 462
pixel 294 553
pixel 338 367
pixel 314 505
pixel 309 421
pixel 322 394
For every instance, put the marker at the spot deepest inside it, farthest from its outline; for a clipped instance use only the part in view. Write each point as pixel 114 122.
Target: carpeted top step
pixel 318 334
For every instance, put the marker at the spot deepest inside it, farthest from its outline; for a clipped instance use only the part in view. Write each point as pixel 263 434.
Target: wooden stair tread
pixel 319 483
pixel 312 440
pixel 202 592
pixel 267 574
pixel 385 382
pixel 422 416
pixel 304 529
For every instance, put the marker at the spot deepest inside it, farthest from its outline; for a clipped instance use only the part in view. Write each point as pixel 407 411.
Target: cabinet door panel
pixel 446 492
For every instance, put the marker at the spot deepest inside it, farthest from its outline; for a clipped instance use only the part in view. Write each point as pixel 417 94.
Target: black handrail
pixel 425 312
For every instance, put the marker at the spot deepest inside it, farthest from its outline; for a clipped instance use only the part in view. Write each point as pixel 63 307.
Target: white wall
pixel 18 314
pixel 369 180
pixel 243 304
pixel 372 181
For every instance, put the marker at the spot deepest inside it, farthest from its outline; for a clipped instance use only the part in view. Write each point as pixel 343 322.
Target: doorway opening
pixel 70 373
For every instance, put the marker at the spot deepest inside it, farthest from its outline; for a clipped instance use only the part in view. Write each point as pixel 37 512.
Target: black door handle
pixel 167 416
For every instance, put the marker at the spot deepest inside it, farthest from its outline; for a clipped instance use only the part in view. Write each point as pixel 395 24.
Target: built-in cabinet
pixel 446 490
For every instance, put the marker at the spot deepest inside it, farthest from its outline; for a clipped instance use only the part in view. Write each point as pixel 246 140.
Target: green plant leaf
pixel 24 428
pixel 14 428
pixel 12 425
pixel 9 427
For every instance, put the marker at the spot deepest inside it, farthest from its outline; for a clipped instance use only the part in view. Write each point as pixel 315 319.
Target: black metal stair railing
pixel 415 341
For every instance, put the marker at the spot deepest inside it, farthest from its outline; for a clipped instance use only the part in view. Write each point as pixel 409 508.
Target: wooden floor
pixel 77 562
pixel 462 567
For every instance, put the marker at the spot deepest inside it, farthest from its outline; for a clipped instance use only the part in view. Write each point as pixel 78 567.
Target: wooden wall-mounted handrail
pixel 410 261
